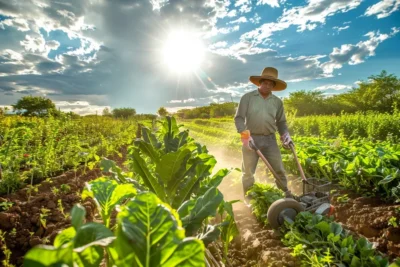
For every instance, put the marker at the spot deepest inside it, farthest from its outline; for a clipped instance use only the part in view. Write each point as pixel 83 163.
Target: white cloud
pixel 218 45
pixel 239 20
pixel 255 19
pixel 231 13
pixel 272 3
pixel 244 6
pixel 341 28
pixel 383 8
pixel 304 17
pixel 80 107
pixel 355 54
pixel 20 24
pixel 37 44
pixel 239 49
pixel 336 87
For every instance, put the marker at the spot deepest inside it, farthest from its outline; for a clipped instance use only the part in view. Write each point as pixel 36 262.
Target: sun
pixel 183 52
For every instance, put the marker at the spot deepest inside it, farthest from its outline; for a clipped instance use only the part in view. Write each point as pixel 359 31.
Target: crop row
pixel 32 149
pixel 363 165
pixel 375 126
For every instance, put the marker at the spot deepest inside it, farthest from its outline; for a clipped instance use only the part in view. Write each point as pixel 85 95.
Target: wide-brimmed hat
pixel 269 73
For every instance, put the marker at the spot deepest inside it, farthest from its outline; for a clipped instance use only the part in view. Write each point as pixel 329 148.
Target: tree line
pixel 380 93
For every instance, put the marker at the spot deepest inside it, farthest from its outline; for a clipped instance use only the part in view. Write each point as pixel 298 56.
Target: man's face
pixel 266 86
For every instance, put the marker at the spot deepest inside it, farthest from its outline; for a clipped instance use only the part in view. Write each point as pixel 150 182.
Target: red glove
pixel 245 137
pixel 286 140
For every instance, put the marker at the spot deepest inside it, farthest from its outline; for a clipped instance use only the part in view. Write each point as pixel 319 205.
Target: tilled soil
pixel 369 217
pixel 258 245
pixel 22 223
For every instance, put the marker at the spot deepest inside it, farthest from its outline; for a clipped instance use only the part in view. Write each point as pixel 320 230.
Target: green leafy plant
pixel 107 194
pixel 262 196
pixel 171 165
pixel 156 231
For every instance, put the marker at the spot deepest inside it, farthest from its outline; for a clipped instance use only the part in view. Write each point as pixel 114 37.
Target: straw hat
pixel 269 73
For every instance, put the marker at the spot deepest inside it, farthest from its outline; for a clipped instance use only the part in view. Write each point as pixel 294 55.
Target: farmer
pixel 259 115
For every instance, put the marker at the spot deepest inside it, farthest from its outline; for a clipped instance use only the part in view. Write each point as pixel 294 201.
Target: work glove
pixel 286 140
pixel 246 138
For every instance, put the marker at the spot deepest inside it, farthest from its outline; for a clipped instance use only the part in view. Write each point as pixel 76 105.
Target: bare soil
pixel 369 217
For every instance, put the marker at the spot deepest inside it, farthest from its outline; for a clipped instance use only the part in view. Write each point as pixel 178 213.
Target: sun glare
pixel 183 52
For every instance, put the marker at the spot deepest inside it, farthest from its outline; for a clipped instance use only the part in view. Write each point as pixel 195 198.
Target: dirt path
pixel 257 245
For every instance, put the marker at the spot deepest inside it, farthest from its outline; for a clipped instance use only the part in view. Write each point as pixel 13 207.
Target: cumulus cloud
pixel 239 20
pixel 355 54
pixel 304 17
pixel 383 8
pixel 272 3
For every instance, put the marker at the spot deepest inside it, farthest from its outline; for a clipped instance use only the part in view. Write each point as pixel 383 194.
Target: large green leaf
pixel 107 194
pixel 173 166
pixel 205 206
pixel 149 150
pixel 149 234
pixel 88 243
pixel 78 214
pixel 150 138
pixel 42 255
pixel 64 237
pixel 140 167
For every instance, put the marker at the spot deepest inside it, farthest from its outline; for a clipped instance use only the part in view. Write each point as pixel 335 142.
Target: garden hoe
pixel 315 197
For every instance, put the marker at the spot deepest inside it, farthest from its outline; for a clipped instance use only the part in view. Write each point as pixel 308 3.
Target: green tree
pixel 304 102
pixel 34 106
pixel 124 112
pixel 106 112
pixel 162 112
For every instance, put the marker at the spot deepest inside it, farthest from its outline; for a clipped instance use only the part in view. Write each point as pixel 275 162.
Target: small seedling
pixel 65 188
pixel 43 215
pixel 393 221
pixel 6 205
pixel 55 190
pixel 343 199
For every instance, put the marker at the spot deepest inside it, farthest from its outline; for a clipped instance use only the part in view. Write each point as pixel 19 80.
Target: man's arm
pixel 281 120
pixel 240 116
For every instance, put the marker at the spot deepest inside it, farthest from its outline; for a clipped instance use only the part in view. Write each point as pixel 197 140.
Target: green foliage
pixel 156 231
pixel 34 106
pixel 80 245
pixel 33 148
pixel 318 240
pixel 170 163
pixel 124 113
pixel 107 194
pixel 262 196
pixel 162 112
pixel 379 93
pixel 151 225
pixel 212 111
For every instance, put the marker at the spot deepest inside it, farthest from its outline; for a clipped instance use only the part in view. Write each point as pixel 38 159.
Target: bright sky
pixel 87 55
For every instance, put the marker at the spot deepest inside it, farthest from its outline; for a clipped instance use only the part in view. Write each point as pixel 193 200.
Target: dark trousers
pixel 269 148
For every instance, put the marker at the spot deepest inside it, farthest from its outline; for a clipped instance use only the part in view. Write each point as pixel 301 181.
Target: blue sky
pixel 144 54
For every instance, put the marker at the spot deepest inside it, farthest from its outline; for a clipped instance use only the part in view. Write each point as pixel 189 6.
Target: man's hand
pixel 246 138
pixel 286 140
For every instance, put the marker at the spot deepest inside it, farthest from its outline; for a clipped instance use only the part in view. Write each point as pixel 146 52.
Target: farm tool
pixel 315 197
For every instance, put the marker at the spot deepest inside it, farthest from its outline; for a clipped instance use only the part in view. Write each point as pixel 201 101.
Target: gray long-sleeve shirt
pixel 259 115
